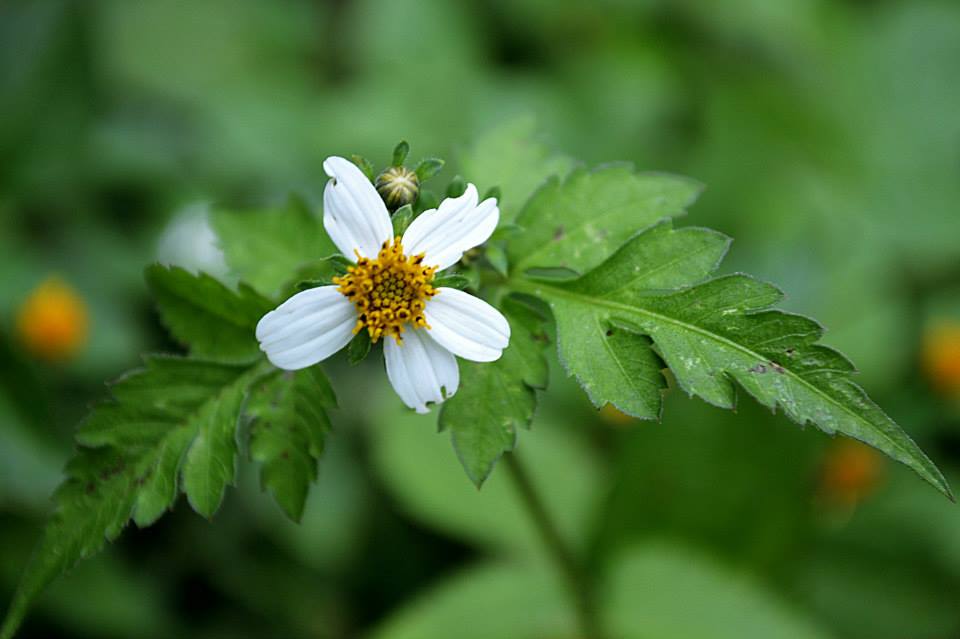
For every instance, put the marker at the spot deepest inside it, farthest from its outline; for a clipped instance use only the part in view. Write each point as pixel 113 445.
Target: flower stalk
pixel 579 583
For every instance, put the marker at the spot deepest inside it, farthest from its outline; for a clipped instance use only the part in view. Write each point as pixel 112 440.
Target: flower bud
pixel 398 186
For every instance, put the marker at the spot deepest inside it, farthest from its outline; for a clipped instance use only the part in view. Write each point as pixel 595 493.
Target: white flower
pixel 389 292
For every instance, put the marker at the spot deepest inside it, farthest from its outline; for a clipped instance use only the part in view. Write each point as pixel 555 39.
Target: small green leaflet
pixel 496 399
pixel 266 248
pixel 711 335
pixel 578 222
pixel 198 310
pixel 289 425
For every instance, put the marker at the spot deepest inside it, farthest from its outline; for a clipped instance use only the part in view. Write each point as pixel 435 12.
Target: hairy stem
pixel 578 581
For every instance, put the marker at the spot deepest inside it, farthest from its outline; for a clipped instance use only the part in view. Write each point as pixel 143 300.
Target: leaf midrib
pixel 537 287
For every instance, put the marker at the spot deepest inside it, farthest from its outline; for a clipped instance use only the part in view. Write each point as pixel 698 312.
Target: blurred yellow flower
pixel 941 357
pixel 53 323
pixel 851 471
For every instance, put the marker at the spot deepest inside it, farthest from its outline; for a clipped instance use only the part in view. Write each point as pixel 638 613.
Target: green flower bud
pixel 398 186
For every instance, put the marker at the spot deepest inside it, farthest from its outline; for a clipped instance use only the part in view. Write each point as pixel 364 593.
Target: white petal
pixel 307 328
pixel 458 225
pixel 466 325
pixel 420 370
pixel 353 213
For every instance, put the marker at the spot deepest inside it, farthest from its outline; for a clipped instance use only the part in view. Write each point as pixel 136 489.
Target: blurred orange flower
pixel 53 323
pixel 941 357
pixel 851 471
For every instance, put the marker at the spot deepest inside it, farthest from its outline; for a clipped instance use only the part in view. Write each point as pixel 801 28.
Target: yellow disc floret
pixel 389 291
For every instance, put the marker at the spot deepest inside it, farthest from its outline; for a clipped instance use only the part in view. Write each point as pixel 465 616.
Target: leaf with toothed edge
pixel 577 222
pixel 498 398
pixel 714 335
pixel 168 427
pixel 289 426
pixel 201 312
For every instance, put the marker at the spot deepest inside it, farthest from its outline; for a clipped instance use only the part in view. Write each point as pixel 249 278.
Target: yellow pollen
pixel 388 291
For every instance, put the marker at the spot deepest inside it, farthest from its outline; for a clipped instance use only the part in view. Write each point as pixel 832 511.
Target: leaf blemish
pixel 559 233
pixel 759 368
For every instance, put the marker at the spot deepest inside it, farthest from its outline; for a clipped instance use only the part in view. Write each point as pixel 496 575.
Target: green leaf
pixel 711 335
pixel 654 587
pixel 496 399
pixel 497 258
pixel 427 168
pixel 400 153
pixel 528 599
pixel 456 187
pixel 287 434
pixel 264 248
pixel 492 192
pixel 451 280
pixel 359 347
pixel 427 200
pixel 401 219
pixel 365 166
pixel 511 158
pixel 318 273
pixel 176 418
pixel 214 321
pixel 578 222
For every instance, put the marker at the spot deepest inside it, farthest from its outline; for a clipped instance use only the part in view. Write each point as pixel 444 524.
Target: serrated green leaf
pixel 263 248
pixel 199 311
pixel 287 434
pixel 711 335
pixel 496 399
pixel 93 506
pixel 579 221
pixel 511 158
pixel 211 460
pixel 129 461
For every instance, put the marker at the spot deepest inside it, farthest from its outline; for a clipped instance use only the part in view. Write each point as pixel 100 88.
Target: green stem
pixel 578 581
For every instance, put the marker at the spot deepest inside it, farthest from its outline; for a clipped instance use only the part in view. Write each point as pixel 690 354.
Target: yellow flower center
pixel 389 291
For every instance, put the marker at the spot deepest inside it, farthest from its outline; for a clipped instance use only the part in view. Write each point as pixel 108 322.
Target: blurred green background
pixel 828 134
